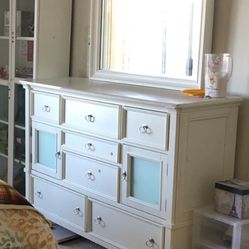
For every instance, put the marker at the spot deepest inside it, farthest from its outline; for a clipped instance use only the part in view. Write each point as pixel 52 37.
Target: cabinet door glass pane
pixel 4 139
pixel 4 58
pixel 47 148
pixel 4 18
pixel 19 178
pixel 4 93
pixel 145 180
pixel 3 168
pixel 24 59
pixel 19 105
pixel 25 18
pixel 19 144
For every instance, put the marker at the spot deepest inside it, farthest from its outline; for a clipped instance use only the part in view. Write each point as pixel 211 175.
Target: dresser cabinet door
pixel 125 230
pixel 46 142
pixel 144 180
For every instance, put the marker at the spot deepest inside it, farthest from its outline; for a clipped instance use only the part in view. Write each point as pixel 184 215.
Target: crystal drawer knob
pixel 90 147
pixel 39 194
pixel 99 221
pixel 77 211
pixel 90 175
pixel 145 129
pixel 46 108
pixel 150 242
pixel 90 118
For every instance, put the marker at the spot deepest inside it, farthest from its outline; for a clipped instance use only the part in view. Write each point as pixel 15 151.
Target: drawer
pixel 93 117
pixel 147 128
pixel 125 230
pixel 55 201
pixel 96 177
pixel 46 106
pixel 93 147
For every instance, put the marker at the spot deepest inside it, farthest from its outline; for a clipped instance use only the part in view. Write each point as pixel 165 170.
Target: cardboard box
pixel 232 198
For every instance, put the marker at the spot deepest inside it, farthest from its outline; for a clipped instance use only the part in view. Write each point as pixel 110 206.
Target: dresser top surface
pixel 123 92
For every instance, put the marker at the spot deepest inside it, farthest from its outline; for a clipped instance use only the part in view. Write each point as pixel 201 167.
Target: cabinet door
pixel 4 132
pixel 24 44
pixel 4 38
pixel 144 180
pixel 46 142
pixel 19 139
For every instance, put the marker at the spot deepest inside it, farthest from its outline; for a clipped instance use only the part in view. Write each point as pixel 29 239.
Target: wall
pixel 230 34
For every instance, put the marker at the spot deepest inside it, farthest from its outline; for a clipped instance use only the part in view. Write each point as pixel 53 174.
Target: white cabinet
pixel 140 166
pixel 32 44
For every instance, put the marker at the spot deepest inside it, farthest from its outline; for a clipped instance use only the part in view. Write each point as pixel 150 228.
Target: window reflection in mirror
pixel 155 39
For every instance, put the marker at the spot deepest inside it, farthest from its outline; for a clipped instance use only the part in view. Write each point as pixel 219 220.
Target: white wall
pixel 231 34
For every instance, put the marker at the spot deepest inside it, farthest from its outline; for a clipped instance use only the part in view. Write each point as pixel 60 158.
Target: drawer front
pixel 124 230
pixel 59 202
pixel 91 175
pixel 46 106
pixel 93 147
pixel 98 118
pixel 147 128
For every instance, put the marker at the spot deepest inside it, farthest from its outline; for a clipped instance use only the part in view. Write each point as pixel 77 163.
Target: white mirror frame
pixel 95 44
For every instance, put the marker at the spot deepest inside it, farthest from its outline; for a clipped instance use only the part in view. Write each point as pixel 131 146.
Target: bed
pixel 21 225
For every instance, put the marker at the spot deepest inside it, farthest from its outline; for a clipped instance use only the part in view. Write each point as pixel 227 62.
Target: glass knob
pixel 90 175
pixel 39 194
pixel 150 242
pixel 124 175
pixel 90 118
pixel 58 155
pixel 145 129
pixel 46 108
pixel 90 146
pixel 76 211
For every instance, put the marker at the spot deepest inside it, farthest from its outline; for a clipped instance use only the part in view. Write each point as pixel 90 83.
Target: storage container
pixel 212 230
pixel 232 198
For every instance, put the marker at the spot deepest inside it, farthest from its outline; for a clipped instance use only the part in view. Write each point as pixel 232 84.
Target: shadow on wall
pixel 242 149
pixel 221 31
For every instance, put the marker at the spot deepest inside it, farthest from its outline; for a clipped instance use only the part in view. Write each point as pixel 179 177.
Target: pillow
pixel 8 195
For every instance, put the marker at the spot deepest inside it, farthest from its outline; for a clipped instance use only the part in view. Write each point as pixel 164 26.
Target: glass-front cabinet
pixel 16 61
pixel 144 180
pixel 46 142
pixel 32 45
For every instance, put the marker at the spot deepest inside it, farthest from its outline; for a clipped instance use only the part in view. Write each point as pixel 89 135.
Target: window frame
pixel 95 44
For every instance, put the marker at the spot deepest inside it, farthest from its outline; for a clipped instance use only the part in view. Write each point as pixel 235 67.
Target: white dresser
pixel 124 165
